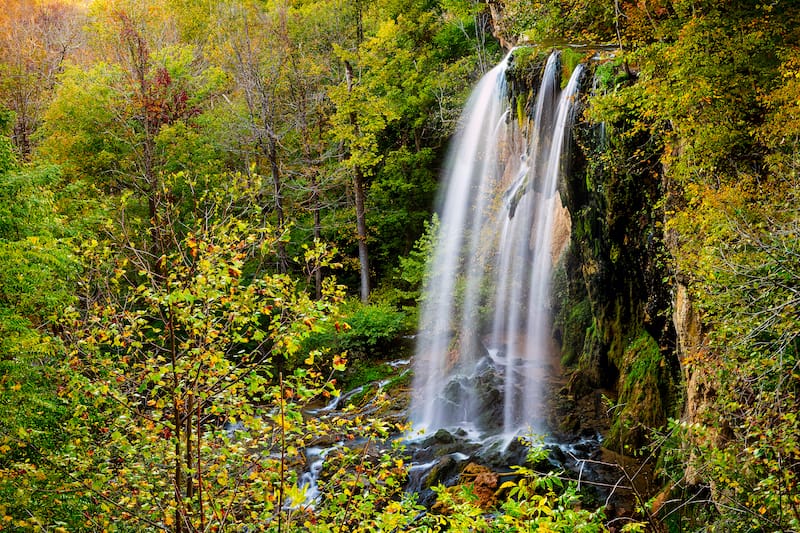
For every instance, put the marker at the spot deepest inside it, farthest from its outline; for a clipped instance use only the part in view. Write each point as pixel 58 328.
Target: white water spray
pixel 484 345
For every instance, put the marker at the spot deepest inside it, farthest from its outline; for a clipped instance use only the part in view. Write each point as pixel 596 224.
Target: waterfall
pixel 484 346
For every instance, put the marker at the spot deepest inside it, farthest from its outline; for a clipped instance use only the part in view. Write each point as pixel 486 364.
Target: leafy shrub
pixel 536 502
pixel 373 327
pixel 363 331
pixel 410 275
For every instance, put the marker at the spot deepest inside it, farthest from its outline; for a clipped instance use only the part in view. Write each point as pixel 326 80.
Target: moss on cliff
pixel 613 192
pixel 640 404
pixel 611 293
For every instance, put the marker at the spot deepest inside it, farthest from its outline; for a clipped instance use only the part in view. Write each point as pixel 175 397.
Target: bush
pixel 364 331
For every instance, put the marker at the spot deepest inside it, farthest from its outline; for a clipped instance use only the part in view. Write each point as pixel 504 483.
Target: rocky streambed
pixel 485 458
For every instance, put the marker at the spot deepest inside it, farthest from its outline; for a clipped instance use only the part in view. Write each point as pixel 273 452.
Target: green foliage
pixel 410 276
pixel 365 373
pixel 610 75
pixel 165 367
pixel 535 502
pixel 147 103
pixel 732 224
pixel 694 80
pixel 106 124
pixel 577 320
pixel 404 184
pixel 545 21
pixel 748 296
pixel 28 203
pixel 639 404
pixel 8 159
pixel 31 410
pixel 363 331
pixel 781 128
pixel 396 111
pixel 80 131
pixel 37 274
pixel 569 60
pixel 374 326
pixel 36 280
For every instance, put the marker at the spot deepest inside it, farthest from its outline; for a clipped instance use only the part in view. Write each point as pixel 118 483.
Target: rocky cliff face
pixel 620 331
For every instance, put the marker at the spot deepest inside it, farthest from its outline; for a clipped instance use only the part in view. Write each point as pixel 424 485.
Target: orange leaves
pixel 164 101
pixel 339 362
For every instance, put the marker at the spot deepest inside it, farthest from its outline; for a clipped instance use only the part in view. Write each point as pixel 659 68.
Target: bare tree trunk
pixel 361 227
pixel 21 136
pixel 316 208
pixel 178 475
pixel 35 39
pixel 153 191
pixel 358 192
pixel 272 155
pixel 262 110
pixel 188 436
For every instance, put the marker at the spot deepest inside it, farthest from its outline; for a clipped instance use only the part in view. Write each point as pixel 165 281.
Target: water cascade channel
pixel 485 348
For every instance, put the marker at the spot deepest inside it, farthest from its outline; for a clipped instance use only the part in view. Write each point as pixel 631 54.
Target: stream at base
pixel 450 456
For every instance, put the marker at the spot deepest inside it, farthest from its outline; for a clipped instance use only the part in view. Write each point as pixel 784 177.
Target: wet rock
pixel 501 454
pixel 443 437
pixel 424 477
pixel 325 441
pixel 556 458
pixel 475 393
pixel 444 472
pixel 570 423
pixel 440 444
pixel 584 448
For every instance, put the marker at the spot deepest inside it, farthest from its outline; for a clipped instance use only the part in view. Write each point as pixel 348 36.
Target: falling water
pixel 485 343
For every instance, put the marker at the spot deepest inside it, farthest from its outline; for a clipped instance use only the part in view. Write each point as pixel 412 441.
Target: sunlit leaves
pixel 781 131
pixel 182 374
pixel 535 502
pixel 82 118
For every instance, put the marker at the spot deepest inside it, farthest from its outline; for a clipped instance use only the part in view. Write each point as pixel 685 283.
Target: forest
pixel 216 217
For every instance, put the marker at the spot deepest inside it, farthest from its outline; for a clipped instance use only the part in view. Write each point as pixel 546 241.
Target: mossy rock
pixel 640 406
pixel 576 326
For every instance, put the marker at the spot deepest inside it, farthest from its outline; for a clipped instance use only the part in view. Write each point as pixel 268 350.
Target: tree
pixel 715 84
pixel 358 195
pixel 172 364
pixel 189 386
pixel 119 123
pixel 310 72
pixel 257 42
pixel 35 41
pixel 394 116
pixel 37 275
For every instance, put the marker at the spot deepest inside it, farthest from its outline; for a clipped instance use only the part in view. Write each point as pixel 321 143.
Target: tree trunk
pixel 21 137
pixel 316 208
pixel 177 480
pixel 152 186
pixel 188 437
pixel 260 99
pixel 358 192
pixel 272 155
pixel 361 227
